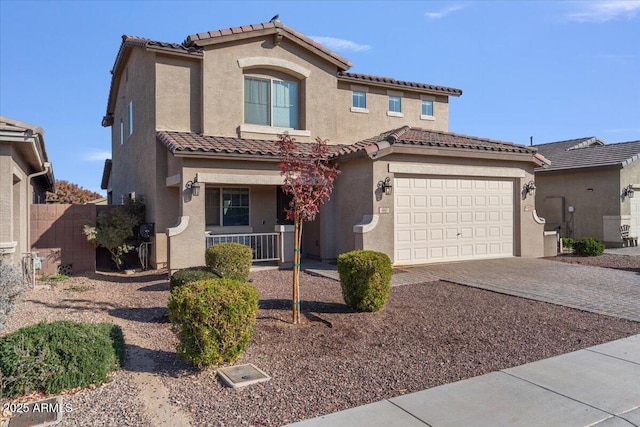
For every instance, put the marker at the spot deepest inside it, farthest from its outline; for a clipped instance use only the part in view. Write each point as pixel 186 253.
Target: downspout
pixel 47 167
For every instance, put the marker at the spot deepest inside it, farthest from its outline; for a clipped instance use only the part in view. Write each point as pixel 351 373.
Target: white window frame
pixel 221 190
pixel 271 81
pixel 394 94
pixel 365 90
pixel 426 98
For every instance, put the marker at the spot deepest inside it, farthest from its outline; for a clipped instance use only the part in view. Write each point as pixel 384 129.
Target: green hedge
pixel 588 247
pixel 213 319
pixel 192 274
pixel 232 260
pixel 51 357
pixel 365 278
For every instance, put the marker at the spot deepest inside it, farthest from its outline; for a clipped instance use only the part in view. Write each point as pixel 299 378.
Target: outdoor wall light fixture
pixel 194 186
pixel 529 188
pixel 386 186
pixel 627 191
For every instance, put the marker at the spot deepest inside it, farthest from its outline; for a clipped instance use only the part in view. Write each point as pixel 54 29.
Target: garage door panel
pixel 441 219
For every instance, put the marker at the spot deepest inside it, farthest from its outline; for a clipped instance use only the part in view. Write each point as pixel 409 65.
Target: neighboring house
pixel 205 115
pixel 588 189
pixel 25 176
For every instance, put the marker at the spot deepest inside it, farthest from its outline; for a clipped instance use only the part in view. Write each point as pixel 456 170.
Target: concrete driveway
pixel 598 290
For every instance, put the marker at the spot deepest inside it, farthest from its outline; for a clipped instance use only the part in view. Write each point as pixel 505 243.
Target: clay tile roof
pixel 189 143
pixel 552 148
pixel 621 155
pixel 197 39
pixel 390 82
pixel 428 138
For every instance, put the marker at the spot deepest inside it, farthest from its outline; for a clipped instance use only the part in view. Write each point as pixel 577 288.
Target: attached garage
pixel 444 218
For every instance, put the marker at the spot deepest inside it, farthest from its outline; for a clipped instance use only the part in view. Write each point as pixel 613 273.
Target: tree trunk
pixel 297 232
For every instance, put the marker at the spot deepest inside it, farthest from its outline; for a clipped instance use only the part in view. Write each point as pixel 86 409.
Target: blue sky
pixel 551 70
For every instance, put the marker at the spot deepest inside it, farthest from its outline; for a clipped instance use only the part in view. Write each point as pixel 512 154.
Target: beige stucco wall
pixel 629 175
pixel 357 195
pixel 178 101
pixel 356 126
pixel 592 193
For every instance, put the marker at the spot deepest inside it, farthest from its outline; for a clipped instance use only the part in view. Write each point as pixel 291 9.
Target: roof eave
pixel 342 63
pixel 452 92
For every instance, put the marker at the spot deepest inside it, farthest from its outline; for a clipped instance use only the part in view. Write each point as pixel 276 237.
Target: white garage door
pixel 452 218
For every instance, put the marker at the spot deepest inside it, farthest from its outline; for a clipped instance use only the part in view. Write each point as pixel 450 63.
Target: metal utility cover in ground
pixel 242 375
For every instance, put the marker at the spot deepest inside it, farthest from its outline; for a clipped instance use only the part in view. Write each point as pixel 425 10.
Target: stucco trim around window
pixel 270 130
pixel 394 114
pixel 359 110
pixel 263 61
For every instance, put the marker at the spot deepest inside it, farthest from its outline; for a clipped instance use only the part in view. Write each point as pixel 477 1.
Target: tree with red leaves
pixel 308 178
pixel 67 192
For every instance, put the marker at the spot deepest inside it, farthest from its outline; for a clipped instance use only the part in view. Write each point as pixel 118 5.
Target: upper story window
pixel 427 107
pixel 121 131
pixel 395 104
pixel 359 99
pixel 130 117
pixel 271 102
pixel 426 112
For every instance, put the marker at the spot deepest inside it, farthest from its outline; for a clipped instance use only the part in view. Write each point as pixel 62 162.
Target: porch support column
pixel 285 245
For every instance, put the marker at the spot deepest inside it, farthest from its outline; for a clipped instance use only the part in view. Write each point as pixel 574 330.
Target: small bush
pixel 365 278
pixel 588 247
pixel 213 319
pixel 192 274
pixel 11 286
pixel 568 242
pixel 51 357
pixel 232 260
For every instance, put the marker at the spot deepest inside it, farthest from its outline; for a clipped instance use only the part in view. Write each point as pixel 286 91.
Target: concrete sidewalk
pixel 597 386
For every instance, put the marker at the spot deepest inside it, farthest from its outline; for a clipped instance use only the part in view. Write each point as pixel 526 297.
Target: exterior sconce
pixel 386 186
pixel 628 192
pixel 194 186
pixel 529 188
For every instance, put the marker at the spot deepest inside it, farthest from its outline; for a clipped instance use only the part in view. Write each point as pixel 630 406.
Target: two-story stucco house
pixel 194 127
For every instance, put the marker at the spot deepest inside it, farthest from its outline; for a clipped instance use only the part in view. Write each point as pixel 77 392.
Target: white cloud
pixel 444 12
pixel 341 44
pixel 97 155
pixel 603 11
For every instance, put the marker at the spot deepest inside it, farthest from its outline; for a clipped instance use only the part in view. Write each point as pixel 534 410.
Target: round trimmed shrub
pixel 365 278
pixel 588 247
pixel 51 357
pixel 232 260
pixel 191 274
pixel 213 319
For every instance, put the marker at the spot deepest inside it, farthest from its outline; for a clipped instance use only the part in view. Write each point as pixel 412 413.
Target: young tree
pixel 67 192
pixel 116 230
pixel 308 178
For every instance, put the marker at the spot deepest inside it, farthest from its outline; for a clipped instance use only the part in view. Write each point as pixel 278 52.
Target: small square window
pixel 359 99
pixel 395 104
pixel 427 107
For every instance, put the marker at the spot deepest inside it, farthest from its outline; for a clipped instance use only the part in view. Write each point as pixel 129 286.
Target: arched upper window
pixel 273 92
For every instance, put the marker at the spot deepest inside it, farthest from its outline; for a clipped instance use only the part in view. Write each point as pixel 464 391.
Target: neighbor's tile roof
pixel 429 138
pixel 195 39
pixel 388 81
pixel 195 143
pixel 552 148
pixel 621 154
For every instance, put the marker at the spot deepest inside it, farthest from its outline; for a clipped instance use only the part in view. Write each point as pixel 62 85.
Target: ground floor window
pixel 226 207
